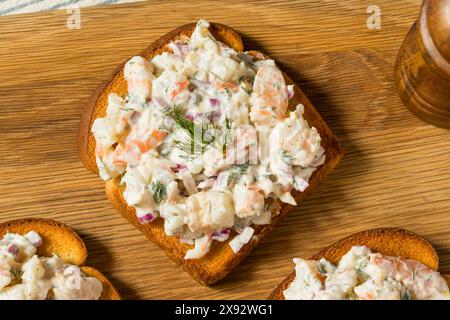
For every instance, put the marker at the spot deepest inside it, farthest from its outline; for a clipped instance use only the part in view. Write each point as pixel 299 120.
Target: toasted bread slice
pixel 388 241
pixel 220 260
pixel 58 238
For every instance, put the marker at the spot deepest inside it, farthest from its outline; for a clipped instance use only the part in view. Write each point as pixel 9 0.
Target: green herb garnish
pixel 158 191
pixel 199 136
pixel 226 137
pixel 236 172
pixel 362 265
pixel 214 74
pixel 126 109
pixel 321 268
pixel 229 94
pixel 16 274
pixel 286 157
pixel 248 60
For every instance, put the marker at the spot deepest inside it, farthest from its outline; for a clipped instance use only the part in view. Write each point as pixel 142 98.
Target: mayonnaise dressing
pixel 363 275
pixel 204 140
pixel 26 276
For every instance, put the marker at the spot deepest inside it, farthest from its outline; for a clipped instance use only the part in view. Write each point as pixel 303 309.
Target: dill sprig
pixel 286 157
pixel 226 136
pixel 176 113
pixel 158 191
pixel 198 135
pixel 16 273
pixel 236 172
pixel 321 268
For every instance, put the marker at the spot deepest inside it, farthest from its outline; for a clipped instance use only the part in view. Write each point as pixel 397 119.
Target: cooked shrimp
pixel 135 145
pixel 221 85
pixel 269 97
pixel 180 86
pixel 171 87
pixel 247 201
pixel 300 146
pixel 138 73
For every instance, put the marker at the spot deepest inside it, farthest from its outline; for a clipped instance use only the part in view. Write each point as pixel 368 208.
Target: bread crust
pixel 60 239
pixel 388 241
pixel 220 260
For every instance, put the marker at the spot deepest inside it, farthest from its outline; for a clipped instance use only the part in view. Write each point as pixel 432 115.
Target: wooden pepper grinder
pixel 422 71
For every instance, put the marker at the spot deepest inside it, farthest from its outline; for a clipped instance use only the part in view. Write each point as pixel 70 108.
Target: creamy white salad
pixel 26 276
pixel 363 275
pixel 204 140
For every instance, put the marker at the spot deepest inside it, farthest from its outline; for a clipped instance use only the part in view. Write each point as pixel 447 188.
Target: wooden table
pixel 396 171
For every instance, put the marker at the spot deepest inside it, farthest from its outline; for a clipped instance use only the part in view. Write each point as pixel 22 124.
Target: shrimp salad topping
pixel 363 275
pixel 204 140
pixel 26 276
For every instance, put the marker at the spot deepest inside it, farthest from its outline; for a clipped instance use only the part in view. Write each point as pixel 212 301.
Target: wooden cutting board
pixel 396 171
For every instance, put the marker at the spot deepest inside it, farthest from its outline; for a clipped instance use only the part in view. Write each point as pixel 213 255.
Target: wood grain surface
pixel 396 171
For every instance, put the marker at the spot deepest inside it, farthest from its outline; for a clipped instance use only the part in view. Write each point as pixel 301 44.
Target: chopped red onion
pixel 222 235
pixel 14 250
pixel 290 91
pixel 301 184
pixel 241 239
pixel 221 178
pixel 214 102
pixel 176 47
pixel 191 88
pixel 146 218
pixel 198 115
pixel 134 117
pixel 212 116
pixel 179 167
pixel 34 238
pixel 185 49
pixel 216 115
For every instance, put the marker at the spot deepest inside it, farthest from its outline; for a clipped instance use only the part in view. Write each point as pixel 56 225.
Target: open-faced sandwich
pixel 379 264
pixel 203 147
pixel 43 259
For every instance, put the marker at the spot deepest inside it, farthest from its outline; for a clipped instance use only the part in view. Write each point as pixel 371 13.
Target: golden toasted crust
pixel 387 241
pixel 58 238
pixel 109 292
pixel 220 260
